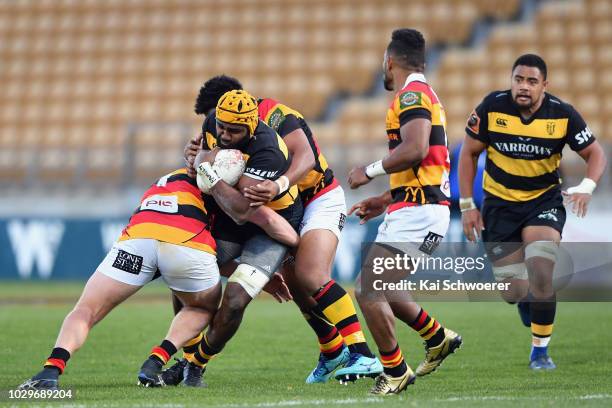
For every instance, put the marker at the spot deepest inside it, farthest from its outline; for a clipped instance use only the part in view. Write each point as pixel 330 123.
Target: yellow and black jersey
pixel 285 120
pixel 266 156
pixel 523 155
pixel 172 210
pixel 427 182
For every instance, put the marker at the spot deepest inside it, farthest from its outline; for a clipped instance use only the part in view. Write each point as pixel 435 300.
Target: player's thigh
pixel 532 233
pixel 207 299
pixel 315 256
pixel 102 293
pixel 127 267
pixel 186 269
pixel 264 253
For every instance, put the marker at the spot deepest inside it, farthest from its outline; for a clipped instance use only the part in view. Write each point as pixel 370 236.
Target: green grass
pixel 266 363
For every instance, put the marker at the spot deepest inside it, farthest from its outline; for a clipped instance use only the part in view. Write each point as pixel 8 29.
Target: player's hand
pixel 368 209
pixel 261 193
pixel 206 156
pixel 357 177
pixel 579 201
pixel 189 154
pixel 472 224
pixel 277 287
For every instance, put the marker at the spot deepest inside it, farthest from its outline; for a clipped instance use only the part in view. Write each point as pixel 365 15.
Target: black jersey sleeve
pixel 266 164
pixel 288 125
pixel 477 123
pixel 578 134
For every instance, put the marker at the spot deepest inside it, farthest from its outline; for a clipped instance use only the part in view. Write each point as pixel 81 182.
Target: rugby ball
pixel 229 165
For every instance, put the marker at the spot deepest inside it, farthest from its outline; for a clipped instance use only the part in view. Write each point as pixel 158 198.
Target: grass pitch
pixel 266 364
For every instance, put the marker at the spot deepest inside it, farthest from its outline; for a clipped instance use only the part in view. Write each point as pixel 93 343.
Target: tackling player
pixel 417 206
pixel 524 130
pixel 168 235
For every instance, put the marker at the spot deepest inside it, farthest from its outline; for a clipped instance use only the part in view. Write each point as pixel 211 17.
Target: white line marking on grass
pixel 296 403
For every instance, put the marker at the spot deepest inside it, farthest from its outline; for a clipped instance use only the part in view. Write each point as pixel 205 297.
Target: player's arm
pixel 410 152
pixel 275 226
pixel 468 161
pixel 474 143
pixel 302 161
pixel 580 195
pixel 582 141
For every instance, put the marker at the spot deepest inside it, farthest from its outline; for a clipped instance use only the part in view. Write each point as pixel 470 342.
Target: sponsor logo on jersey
pixel 409 99
pixel 550 128
pixel 162 203
pixel 501 122
pixel 276 118
pixel 506 147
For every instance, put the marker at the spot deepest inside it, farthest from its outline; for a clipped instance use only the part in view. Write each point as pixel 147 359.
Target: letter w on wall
pixel 35 242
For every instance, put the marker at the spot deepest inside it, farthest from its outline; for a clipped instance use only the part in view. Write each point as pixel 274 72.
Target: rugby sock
pixel 331 342
pixel 542 319
pixel 428 328
pixel 203 354
pixel 393 362
pixel 163 352
pixel 192 345
pixel 58 359
pixel 336 305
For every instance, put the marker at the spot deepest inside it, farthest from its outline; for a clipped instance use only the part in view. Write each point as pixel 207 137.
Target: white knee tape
pixel 250 278
pixel 514 271
pixel 543 249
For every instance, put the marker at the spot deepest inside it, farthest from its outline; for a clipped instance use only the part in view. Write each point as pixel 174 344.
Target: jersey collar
pixel 415 77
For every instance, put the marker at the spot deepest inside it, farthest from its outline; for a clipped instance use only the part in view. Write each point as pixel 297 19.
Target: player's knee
pixel 85 314
pixel 250 278
pixel 539 251
pixel 513 272
pixel 233 307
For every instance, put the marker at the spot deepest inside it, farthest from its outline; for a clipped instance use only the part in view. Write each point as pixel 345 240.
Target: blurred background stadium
pixel 97 97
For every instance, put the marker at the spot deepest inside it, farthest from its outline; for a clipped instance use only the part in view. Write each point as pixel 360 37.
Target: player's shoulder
pixel 270 108
pixel 264 138
pixel 559 106
pixel 416 92
pixel 497 99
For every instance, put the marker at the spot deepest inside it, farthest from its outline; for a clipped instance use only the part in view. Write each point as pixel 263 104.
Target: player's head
pixel 528 80
pixel 212 91
pixel 237 118
pixel 405 51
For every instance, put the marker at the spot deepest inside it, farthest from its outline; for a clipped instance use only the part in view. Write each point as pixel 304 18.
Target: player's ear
pixel 545 84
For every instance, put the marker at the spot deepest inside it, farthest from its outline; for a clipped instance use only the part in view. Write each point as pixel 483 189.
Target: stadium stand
pixel 102 91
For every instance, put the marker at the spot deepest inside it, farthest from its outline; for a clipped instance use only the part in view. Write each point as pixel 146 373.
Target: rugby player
pixel 168 235
pixel 328 309
pixel 417 207
pixel 524 130
pixel 235 124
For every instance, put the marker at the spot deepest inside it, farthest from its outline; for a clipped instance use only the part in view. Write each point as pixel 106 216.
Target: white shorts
pixel 184 269
pixel 327 212
pixel 415 230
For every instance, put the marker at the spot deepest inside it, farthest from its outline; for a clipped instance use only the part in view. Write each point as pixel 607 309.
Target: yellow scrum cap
pixel 240 108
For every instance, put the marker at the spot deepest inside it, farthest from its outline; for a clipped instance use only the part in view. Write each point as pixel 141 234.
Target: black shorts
pixel 505 220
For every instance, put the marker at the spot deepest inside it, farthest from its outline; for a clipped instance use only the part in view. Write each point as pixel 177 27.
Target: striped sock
pixel 163 352
pixel 203 354
pixel 58 359
pixel 192 345
pixel 336 305
pixel 331 342
pixel 393 362
pixel 542 319
pixel 428 328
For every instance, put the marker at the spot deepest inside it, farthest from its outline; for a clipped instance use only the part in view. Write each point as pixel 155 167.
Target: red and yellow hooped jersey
pixel 427 182
pixel 172 210
pixel 285 120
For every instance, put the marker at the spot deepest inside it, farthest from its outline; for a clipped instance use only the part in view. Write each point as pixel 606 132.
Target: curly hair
pixel 212 90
